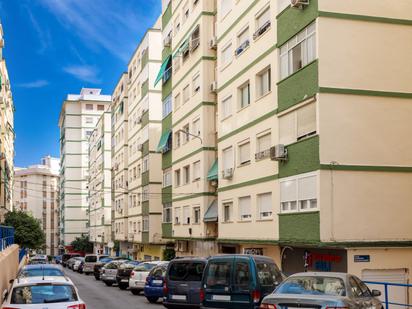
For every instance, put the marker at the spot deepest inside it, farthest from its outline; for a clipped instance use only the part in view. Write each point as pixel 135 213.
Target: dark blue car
pixel 153 289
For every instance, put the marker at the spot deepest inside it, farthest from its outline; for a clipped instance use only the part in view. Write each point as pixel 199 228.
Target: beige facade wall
pixel 9 264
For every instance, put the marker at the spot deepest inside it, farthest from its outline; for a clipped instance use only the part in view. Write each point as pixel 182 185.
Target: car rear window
pixel 111 266
pixel 144 267
pixel 44 293
pixel 186 271
pixel 218 274
pixel 90 259
pixel 268 274
pixel 40 272
pixel 312 285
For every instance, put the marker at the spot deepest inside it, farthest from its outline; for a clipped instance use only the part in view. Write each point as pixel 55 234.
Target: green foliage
pixel 168 254
pixel 82 244
pixel 27 230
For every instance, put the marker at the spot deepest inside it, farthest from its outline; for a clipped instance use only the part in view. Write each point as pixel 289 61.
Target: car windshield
pixel 105 260
pixel 90 259
pixel 44 293
pixel 38 272
pixel 144 267
pixel 312 286
pixel 186 271
pixel 129 265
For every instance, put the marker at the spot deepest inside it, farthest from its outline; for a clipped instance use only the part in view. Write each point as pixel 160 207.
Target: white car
pixel 41 293
pixel 139 274
pixel 77 263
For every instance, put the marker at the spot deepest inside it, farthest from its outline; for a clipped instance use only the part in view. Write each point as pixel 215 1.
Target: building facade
pixel 7 136
pixel 36 191
pixel 99 185
pixel 78 118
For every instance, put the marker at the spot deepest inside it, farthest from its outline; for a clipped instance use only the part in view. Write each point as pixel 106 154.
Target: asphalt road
pixel 97 295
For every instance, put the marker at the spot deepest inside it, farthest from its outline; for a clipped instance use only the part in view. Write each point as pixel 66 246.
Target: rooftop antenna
pixel 42 268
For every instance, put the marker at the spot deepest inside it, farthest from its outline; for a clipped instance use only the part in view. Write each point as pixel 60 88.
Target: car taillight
pixel 336 307
pixel 256 296
pixel 78 306
pixel 267 306
pixel 165 289
pixel 132 274
pixel 9 308
pixel 202 295
pixel 102 270
pixel 147 280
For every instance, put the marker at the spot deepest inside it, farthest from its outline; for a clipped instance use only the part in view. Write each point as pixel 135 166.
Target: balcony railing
pixel 6 237
pixel 166 75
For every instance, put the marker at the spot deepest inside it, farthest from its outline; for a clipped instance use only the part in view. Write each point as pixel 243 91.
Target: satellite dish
pixel 110 244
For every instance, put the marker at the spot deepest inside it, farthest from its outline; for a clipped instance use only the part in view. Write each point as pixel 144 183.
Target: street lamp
pixel 190 134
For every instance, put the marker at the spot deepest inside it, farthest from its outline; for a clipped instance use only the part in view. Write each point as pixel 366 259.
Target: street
pixel 97 295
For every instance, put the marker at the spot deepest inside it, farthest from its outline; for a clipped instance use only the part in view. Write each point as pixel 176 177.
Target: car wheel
pixel 96 277
pixel 122 286
pixel 108 283
pixel 135 292
pixel 152 300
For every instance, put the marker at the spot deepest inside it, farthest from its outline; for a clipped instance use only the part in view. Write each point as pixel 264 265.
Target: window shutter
pixel 287 128
pixel 263 18
pixel 306 119
pixel 288 191
pixel 244 206
pixel 307 188
pixel 265 202
pixel 264 142
pixel 244 152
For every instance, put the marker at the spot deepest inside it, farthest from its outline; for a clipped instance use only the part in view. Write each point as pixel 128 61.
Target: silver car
pixel 322 290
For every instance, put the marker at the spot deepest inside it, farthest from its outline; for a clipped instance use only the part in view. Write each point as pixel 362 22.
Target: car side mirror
pixel 5 294
pixel 376 293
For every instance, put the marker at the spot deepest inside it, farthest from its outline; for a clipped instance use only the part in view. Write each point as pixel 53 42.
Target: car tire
pixel 135 292
pixel 108 283
pixel 123 286
pixel 152 300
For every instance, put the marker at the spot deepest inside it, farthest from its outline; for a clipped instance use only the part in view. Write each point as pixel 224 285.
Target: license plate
pixel 221 297
pixel 179 297
pixel 157 282
pixel 110 278
pixel 124 280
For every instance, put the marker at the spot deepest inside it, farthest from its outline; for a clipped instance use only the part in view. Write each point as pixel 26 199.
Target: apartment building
pixel 7 136
pixel 78 118
pixel 36 191
pixel 188 141
pixel 137 175
pixel 99 184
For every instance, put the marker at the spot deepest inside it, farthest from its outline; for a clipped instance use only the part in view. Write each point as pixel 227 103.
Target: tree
pixel 82 244
pixel 27 230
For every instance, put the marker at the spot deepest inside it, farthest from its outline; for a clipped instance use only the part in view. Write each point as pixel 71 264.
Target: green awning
pixel 183 47
pixel 211 213
pixel 162 70
pixel 212 174
pixel 163 141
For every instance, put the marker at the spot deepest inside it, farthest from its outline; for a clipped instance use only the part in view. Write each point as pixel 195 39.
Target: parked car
pixel 109 271
pixel 138 276
pixel 238 281
pixel 40 270
pixel 123 273
pixel 77 263
pixel 98 266
pixel 38 259
pixel 58 259
pixel 39 292
pixel 67 256
pixel 153 289
pixel 70 262
pixel 90 260
pixel 183 281
pixel 323 290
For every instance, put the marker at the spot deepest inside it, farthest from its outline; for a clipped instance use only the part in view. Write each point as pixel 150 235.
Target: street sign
pixel 362 258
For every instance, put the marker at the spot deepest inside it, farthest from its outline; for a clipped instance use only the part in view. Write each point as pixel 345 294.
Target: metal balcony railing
pixel 6 237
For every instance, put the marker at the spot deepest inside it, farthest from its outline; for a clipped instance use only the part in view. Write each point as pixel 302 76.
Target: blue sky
pixel 55 47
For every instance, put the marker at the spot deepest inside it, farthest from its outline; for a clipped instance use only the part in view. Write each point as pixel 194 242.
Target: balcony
pixel 265 27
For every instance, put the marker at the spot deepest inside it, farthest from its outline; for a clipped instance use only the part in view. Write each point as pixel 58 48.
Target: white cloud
pixel 34 84
pixel 84 73
pixel 43 34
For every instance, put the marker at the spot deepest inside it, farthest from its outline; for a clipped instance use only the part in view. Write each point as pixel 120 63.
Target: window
pixel 186 95
pixel 186 174
pixel 145 164
pixel 195 39
pixel 185 134
pixel 225 7
pixel 196 170
pixel 184 50
pixel 167 106
pixel 177 139
pixel 185 12
pixel 177 101
pixel 196 83
pixel 244 92
pixel 298 124
pixel 177 215
pixel 167 178
pixel 196 127
pixel 89 107
pixel 264 205
pixel 244 153
pixel 145 222
pixel 186 215
pixel 227 211
pixel 177 178
pixel 263 145
pixel 242 41
pixel 196 215
pixel 145 193
pixel 263 82
pixel 227 158
pixel 88 133
pixel 262 23
pixel 244 208
pixel 167 212
pixel 89 119
pixel 177 24
pixel 298 51
pixel 226 108
pixel 298 194
pixel 226 54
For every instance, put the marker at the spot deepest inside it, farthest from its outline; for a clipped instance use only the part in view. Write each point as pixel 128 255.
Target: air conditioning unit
pixel 227 173
pixel 299 4
pixel 213 86
pixel 140 147
pixel 278 153
pixel 213 43
pixel 181 246
pixel 167 41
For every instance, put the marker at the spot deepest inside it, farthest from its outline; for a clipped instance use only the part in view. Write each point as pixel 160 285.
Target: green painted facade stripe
pixel 248 241
pixel 301 226
pixel 248 183
pixel 368 18
pixel 247 68
pixel 194 195
pixel 207 58
pixel 192 238
pixel 248 125
pixel 204 103
pixel 361 92
pixel 195 152
pixel 367 168
pixel 239 19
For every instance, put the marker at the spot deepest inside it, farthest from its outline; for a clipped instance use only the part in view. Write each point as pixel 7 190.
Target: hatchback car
pixel 67 256
pixel 70 263
pixel 42 292
pixel 90 260
pixel 123 273
pixel 38 259
pixel 109 271
pixel 40 270
pixel 238 281
pixel 322 290
pixel 153 289
pixel 138 276
pixel 98 267
pixel 77 263
pixel 183 281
